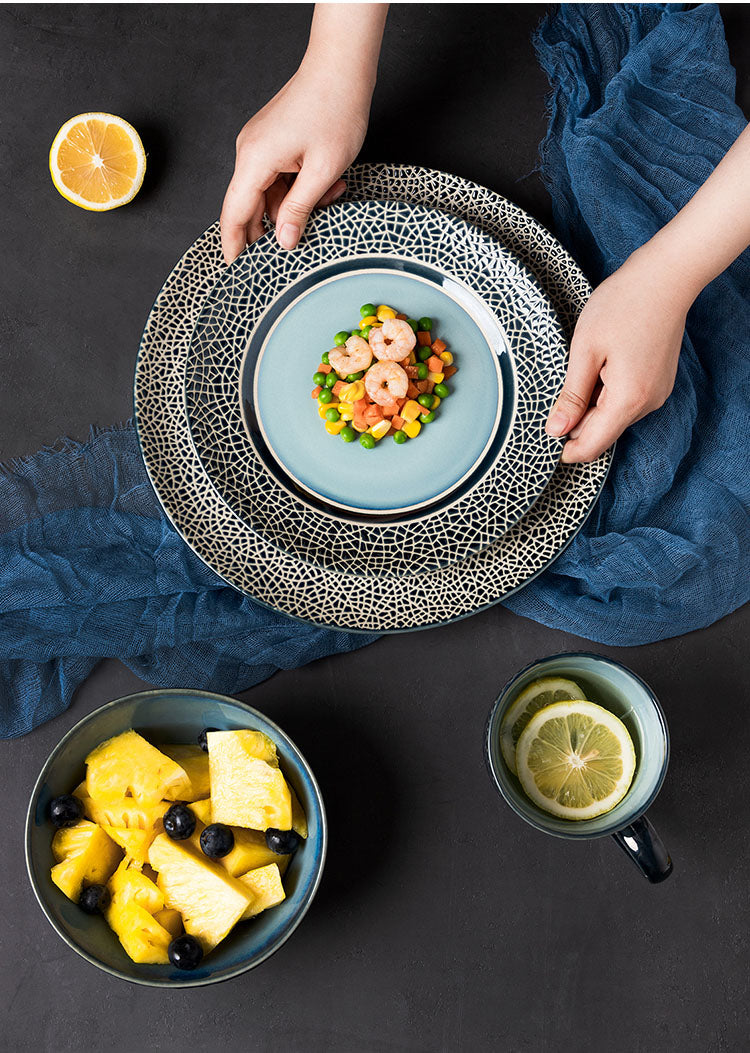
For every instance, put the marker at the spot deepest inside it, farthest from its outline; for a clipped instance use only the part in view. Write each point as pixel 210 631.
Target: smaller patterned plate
pixel 483 502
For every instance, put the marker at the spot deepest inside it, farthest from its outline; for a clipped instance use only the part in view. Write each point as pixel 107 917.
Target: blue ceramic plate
pixel 465 480
pixel 394 478
pixel 224 538
pixel 172 716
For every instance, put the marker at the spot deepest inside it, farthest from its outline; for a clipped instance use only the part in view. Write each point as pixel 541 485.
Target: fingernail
pixel 288 236
pixel 557 423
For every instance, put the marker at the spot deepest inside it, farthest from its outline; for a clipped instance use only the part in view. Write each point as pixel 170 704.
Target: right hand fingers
pixel 242 211
pixel 313 184
pixel 574 399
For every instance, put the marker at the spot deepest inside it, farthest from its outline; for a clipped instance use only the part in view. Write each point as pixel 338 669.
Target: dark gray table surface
pixel 443 922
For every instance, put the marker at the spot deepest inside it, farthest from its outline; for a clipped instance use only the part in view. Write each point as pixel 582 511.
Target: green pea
pixel 324 359
pixel 413 323
pixel 442 391
pixel 348 434
pixel 367 309
pixel 341 338
pixel 423 353
pixel 356 332
pixel 425 325
pixel 425 400
pixel 355 376
pixel 367 441
pixel 326 395
pixel 422 371
pixel 426 418
pixel 331 379
pixel 332 414
pixel 399 437
pixel 319 379
pixel 366 331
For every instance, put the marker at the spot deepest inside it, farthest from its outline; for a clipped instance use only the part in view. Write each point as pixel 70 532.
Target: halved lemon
pixel 575 760
pixel 97 161
pixel 533 698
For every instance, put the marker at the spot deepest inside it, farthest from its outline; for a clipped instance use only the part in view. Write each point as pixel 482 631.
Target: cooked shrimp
pixel 385 382
pixel 393 341
pixel 353 357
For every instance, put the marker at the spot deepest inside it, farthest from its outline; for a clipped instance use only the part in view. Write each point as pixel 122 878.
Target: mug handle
pixel 643 845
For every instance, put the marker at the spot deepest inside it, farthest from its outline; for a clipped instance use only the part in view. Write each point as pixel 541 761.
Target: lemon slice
pixel 575 759
pixel 97 161
pixel 533 698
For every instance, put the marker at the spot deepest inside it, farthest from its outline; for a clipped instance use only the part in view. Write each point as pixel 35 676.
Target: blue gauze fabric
pixel 642 110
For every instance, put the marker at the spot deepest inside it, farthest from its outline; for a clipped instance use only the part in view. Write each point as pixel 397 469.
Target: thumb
pixel 580 381
pixel 304 193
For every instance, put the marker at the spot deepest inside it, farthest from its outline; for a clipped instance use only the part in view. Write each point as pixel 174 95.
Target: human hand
pixel 623 356
pixel 290 156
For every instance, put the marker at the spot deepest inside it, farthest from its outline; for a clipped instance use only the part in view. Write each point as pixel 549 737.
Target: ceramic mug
pixel 619 690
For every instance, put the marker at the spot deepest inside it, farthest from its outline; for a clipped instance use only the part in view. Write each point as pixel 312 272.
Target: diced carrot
pixel 402 317
pixel 373 414
pixel 412 372
pixel 435 365
pixel 422 386
pixel 390 410
pixel 323 368
pixel 430 386
pixel 316 391
pixel 412 391
pixel 438 347
pixel 397 422
pixel 359 407
pixel 405 361
pixel 424 339
pixel 339 386
pixel 402 402
pixel 448 371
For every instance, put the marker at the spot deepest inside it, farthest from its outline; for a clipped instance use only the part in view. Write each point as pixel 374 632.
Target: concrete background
pixel 443 922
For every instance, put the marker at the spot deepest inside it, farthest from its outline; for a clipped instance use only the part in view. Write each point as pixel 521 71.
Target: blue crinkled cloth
pixel 642 110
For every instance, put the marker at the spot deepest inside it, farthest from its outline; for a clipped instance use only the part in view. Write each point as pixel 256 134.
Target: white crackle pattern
pixel 364 602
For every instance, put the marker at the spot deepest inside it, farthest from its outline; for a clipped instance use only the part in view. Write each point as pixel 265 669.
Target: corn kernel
pixel 385 312
pixel 436 400
pixel 359 427
pixel 367 321
pixel 353 392
pixel 380 429
pixel 347 417
pixel 412 429
pixel 412 359
pixel 345 407
pixel 446 357
pixel 333 427
pixel 436 378
pixel 411 411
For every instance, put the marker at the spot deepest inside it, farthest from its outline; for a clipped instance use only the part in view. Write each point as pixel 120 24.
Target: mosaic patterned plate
pixel 512 352
pixel 287 584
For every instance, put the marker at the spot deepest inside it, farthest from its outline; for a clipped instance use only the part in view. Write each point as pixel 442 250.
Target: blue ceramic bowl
pixel 172 716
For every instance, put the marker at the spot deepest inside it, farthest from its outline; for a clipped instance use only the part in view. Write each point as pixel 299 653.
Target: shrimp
pixel 393 341
pixel 385 382
pixel 353 357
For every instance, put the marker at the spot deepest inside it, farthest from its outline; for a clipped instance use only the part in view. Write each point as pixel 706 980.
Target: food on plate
pixel 385 378
pixel 174 845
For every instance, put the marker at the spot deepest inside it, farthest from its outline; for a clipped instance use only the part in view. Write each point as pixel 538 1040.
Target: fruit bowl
pixel 172 716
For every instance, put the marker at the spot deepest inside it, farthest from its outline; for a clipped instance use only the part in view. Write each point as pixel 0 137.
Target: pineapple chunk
pixel 135 843
pixel 202 811
pixel 265 884
pixel 129 885
pixel 131 824
pixel 171 920
pixel 142 937
pixel 250 850
pixel 194 762
pixel 247 789
pixel 208 898
pixel 85 856
pixel 299 819
pixel 128 764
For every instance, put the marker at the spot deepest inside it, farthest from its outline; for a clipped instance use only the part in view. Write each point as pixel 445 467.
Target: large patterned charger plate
pixel 220 537
pixel 485 460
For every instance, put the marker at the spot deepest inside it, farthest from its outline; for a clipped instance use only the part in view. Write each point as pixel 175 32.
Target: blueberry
pixel 217 840
pixel 282 842
pixel 202 740
pixel 185 952
pixel 179 822
pixel 94 899
pixel 65 810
